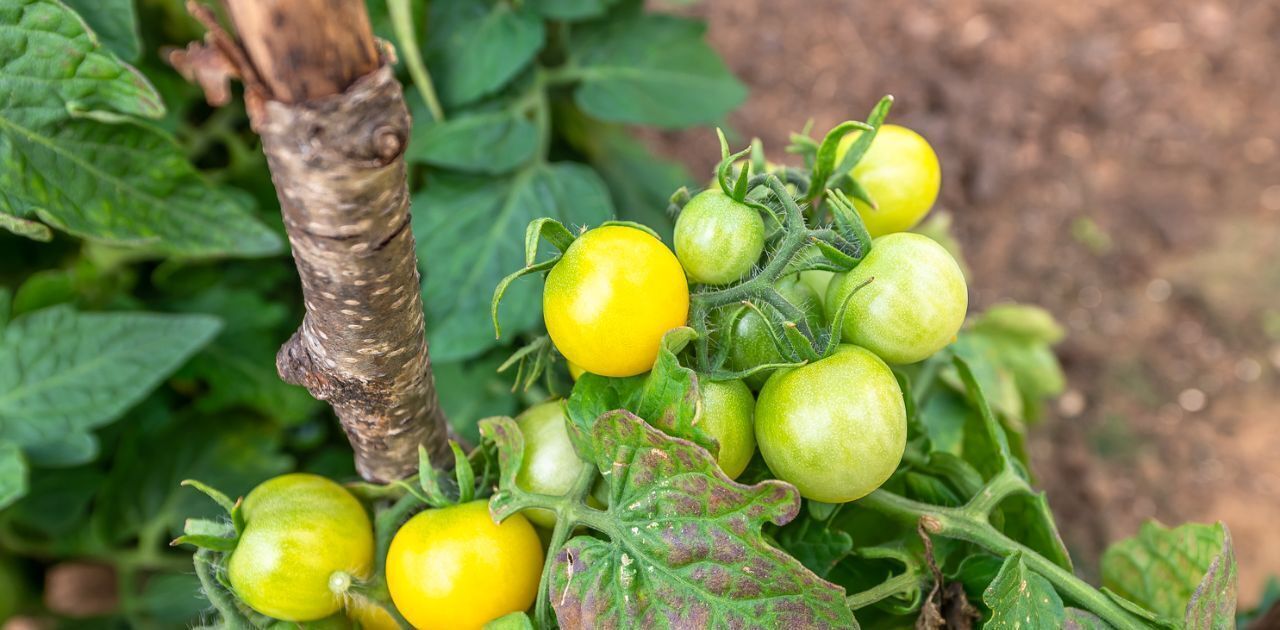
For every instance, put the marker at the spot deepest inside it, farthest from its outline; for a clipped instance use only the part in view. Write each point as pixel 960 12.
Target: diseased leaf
pixel 71 155
pixel 22 227
pixel 650 69
pixel 666 397
pixel 475 48
pixel 1185 572
pixel 486 142
pixel 115 22
pixel 685 548
pixel 63 373
pixel 13 474
pixel 1022 599
pixel 470 234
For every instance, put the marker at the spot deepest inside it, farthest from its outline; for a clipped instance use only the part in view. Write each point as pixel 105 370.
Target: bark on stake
pixel 334 126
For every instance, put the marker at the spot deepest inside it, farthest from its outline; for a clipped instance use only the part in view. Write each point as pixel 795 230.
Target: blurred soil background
pixel 1115 161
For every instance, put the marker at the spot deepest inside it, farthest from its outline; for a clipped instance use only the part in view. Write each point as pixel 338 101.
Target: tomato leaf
pixel 666 397
pixel 63 373
pixel 72 155
pixel 685 546
pixel 1077 619
pixel 571 9
pixel 115 22
pixel 470 234
pixel 1021 598
pixel 1185 572
pixel 485 142
pixel 650 69
pixel 475 48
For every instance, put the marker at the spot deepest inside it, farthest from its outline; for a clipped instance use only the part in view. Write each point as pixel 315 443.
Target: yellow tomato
pixel 610 299
pixel 901 173
pixel 454 568
pixel 576 370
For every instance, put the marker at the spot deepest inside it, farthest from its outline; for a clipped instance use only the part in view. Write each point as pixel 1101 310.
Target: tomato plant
pixel 142 312
pixel 836 428
pixel 454 567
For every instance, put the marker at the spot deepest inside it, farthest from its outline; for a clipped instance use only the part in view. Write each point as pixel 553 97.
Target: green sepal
pixel 724 170
pixel 463 473
pixel 539 352
pixel 501 289
pixel 860 146
pixel 632 224
pixel 824 162
pixel 848 222
pixel 429 480
pixel 212 543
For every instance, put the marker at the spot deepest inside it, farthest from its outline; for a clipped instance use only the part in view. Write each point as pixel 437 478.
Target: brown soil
pixel 1115 161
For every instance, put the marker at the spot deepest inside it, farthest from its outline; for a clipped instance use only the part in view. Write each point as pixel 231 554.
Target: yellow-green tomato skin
pixel 835 428
pixel 300 529
pixel 718 240
pixel 455 569
pixel 914 305
pixel 728 414
pixel 901 173
pixel 550 464
pixel 616 291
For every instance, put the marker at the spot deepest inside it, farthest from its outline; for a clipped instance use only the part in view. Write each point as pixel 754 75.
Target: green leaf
pixel 818 548
pixel 475 48
pixel 13 474
pixel 639 181
pixel 667 397
pixel 685 546
pixel 650 69
pixel 71 155
pixel 571 9
pixel 1188 571
pixel 239 365
pixel 63 373
pixel 471 390
pixel 115 22
pixel 1028 520
pixel 1020 598
pixel 486 142
pixel 470 234
pixel 22 227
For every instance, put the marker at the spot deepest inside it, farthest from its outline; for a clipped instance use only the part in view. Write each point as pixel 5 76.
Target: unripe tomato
pixel 550 463
pixel 749 342
pixel 914 305
pixel 728 411
pixel 901 173
pixel 718 240
pixel 818 280
pixel 610 299
pixel 835 428
pixel 301 531
pixel 455 568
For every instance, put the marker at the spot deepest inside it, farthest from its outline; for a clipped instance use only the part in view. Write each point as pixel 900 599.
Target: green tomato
pixel 749 340
pixel 818 280
pixel 718 240
pixel 727 414
pixel 901 173
pixel 914 305
pixel 305 539
pixel 550 463
pixel 835 428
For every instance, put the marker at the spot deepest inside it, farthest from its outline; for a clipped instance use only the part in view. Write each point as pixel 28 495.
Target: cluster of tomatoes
pixel 835 427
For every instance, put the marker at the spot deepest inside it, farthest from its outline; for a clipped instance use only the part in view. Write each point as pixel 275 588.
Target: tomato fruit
pixel 748 339
pixel 575 371
pixel 300 531
pixel 901 173
pixel 455 568
pixel 718 240
pixel 610 299
pixel 835 428
pixel 728 411
pixel 914 305
pixel 550 463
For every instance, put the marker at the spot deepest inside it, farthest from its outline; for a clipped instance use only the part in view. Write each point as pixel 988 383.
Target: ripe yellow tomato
pixel 576 370
pixel 901 173
pixel 454 568
pixel 610 299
